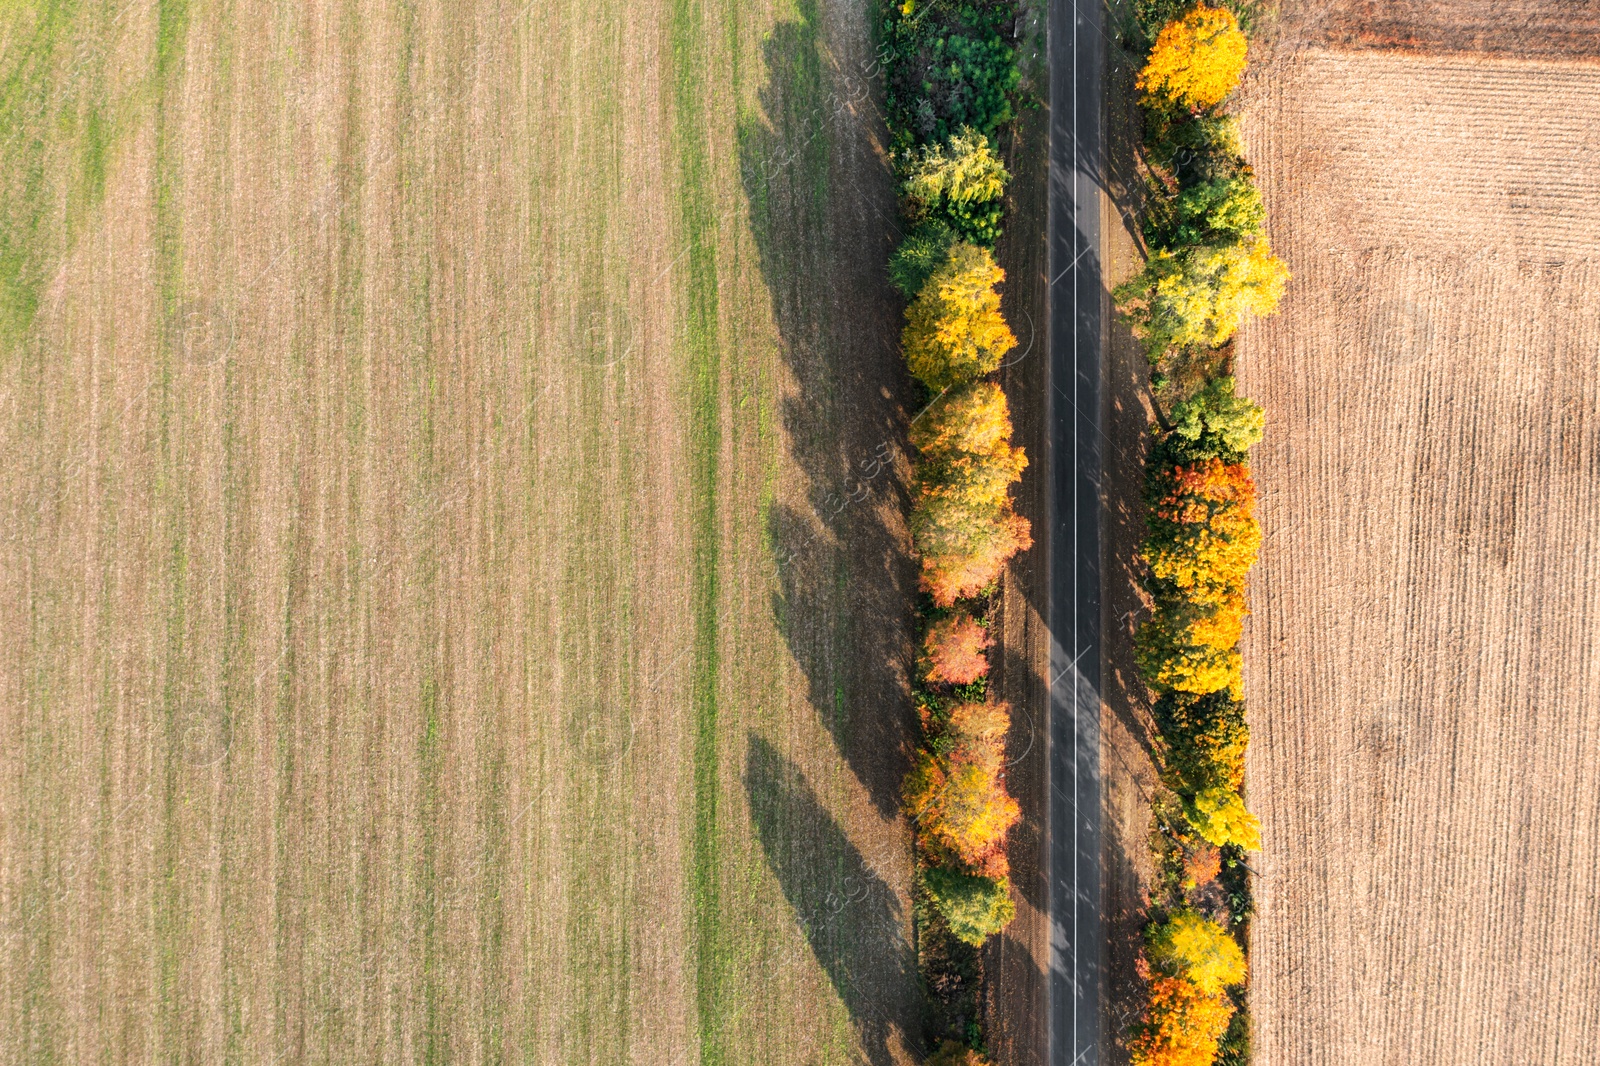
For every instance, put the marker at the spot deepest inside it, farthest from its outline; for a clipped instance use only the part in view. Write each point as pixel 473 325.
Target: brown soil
pixel 1421 670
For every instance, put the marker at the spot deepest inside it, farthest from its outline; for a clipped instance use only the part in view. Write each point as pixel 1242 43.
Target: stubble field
pixel 1421 671
pixel 452 581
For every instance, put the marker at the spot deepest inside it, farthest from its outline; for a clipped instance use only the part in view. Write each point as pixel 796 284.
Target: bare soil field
pixel 452 584
pixel 1551 29
pixel 1421 665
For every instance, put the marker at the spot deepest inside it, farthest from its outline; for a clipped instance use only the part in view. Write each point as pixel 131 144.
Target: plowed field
pixel 1422 666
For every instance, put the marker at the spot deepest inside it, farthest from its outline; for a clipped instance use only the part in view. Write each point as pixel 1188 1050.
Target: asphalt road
pixel 1077 311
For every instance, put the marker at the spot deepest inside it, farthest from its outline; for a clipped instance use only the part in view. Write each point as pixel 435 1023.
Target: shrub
pixel 1197 60
pixel 1190 946
pixel 1212 424
pixel 954 332
pixel 958 799
pixel 1205 738
pixel 951 1053
pixel 1198 296
pixel 960 184
pixel 949 67
pixel 1181 1026
pixel 925 248
pixel 1220 817
pixel 975 908
pixel 1202 865
pixel 954 650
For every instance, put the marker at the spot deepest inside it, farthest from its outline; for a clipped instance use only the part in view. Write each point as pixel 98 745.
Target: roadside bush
pixel 1205 739
pixel 1199 296
pixel 1212 424
pixel 925 248
pixel 949 67
pixel 954 332
pixel 975 908
pixel 1181 1026
pixel 1197 59
pixel 1220 817
pixel 954 650
pixel 1191 946
pixel 958 799
pixel 951 1053
pixel 961 184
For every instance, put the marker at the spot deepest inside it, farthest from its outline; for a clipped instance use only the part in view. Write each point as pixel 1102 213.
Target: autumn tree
pixel 957 797
pixel 1197 949
pixel 1202 535
pixel 962 522
pixel 1197 296
pixel 1203 740
pixel 960 183
pixel 1182 1025
pixel 954 650
pixel 1197 59
pixel 954 331
pixel 974 907
pixel 1221 818
pixel 1188 647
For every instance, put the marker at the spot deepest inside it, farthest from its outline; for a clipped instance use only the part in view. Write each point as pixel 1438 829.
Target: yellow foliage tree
pixel 954 331
pixel 1196 296
pixel 1197 60
pixel 962 523
pixel 1182 1025
pixel 1197 949
pixel 959 800
pixel 1220 817
pixel 1189 647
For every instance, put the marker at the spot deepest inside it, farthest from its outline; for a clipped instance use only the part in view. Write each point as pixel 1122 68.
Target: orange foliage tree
pixel 962 522
pixel 1182 1025
pixel 954 650
pixel 1197 60
pixel 958 798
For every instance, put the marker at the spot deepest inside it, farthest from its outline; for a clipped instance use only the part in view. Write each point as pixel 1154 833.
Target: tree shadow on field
pixel 850 917
pixel 823 217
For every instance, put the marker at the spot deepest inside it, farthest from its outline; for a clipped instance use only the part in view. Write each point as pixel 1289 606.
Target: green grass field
pixel 454 587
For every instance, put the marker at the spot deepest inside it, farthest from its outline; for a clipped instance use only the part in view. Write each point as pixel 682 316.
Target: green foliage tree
pixel 1212 424
pixel 925 249
pixel 1220 211
pixel 960 183
pixel 950 66
pixel 975 908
